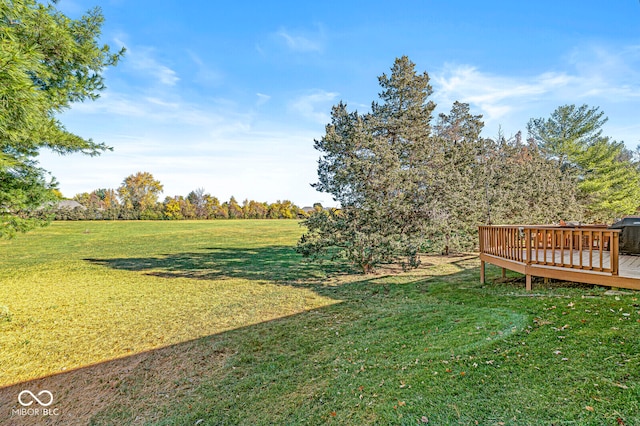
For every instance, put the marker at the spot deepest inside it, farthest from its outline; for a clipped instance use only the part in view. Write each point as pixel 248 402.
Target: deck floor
pixel 628 266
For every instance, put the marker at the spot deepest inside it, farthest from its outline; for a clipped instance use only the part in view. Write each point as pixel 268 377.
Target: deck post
pixel 504 272
pixel 482 281
pixel 528 282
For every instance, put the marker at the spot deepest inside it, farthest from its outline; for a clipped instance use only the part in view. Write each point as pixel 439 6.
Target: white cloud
pixel 162 103
pixel 300 43
pixel 205 74
pixel 314 106
pixel 262 99
pixel 156 109
pixel 165 75
pixel 594 75
pixel 495 95
pixel 141 58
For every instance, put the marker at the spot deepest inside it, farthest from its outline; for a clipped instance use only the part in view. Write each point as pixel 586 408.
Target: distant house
pixel 69 204
pixel 309 210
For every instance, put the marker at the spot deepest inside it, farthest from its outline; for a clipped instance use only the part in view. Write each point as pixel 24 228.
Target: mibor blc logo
pixel 31 404
pixel 22 398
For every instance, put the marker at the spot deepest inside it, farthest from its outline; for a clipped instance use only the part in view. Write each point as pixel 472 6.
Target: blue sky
pixel 229 96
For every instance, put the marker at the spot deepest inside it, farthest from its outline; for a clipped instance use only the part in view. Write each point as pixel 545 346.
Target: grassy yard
pixel 220 322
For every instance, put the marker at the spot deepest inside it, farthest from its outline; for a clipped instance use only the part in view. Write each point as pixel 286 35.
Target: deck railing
pixel 589 247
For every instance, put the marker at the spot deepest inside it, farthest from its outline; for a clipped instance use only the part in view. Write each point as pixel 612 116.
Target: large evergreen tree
pixel 377 167
pixel 607 180
pixel 47 62
pixel 458 195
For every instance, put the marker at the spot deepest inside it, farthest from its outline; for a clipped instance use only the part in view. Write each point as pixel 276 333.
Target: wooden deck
pixel 587 254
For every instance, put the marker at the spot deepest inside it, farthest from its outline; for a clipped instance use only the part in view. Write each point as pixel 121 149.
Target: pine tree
pixel 377 167
pixel 48 62
pixel 608 181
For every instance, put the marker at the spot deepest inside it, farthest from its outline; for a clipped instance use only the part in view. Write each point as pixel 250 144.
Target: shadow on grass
pixel 139 388
pixel 144 387
pixel 272 263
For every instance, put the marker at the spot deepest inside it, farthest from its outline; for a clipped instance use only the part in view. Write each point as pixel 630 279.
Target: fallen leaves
pixel 589 408
pixel 619 385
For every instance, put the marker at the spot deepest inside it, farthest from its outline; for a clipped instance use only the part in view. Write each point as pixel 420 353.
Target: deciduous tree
pixel 139 192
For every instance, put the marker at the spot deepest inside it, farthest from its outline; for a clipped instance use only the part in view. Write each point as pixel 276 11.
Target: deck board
pixel 628 266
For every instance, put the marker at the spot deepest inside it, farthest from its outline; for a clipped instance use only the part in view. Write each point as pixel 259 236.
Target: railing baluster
pixel 571 249
pixel 562 246
pixel 613 254
pixel 590 249
pixel 580 243
pixel 601 250
pixel 527 235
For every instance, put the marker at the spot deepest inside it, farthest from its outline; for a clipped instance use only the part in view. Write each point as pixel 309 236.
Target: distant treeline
pixel 137 198
pixel 179 208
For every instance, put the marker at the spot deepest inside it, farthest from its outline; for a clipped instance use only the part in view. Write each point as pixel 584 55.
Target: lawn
pixel 221 322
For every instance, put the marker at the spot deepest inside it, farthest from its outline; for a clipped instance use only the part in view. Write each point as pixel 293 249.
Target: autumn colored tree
pixel 254 210
pixel 89 200
pixel 234 210
pixel 172 209
pixel 109 197
pixel 213 208
pixel 139 192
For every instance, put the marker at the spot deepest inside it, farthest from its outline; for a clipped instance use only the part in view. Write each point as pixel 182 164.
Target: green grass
pixel 221 323
pixel 79 293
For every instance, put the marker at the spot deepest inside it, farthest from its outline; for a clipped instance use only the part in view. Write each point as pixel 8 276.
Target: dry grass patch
pixel 141 385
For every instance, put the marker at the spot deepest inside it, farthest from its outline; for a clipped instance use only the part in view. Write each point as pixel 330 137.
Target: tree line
pixel 408 182
pixel 137 198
